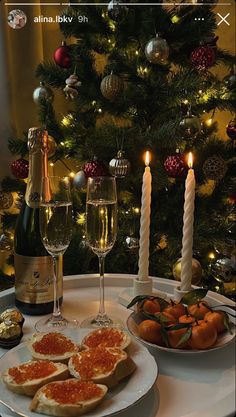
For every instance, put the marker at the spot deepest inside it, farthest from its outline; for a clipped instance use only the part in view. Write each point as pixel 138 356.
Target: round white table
pixel 195 385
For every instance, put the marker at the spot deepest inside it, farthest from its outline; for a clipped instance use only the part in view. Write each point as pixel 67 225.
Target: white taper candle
pixel 188 219
pixel 143 264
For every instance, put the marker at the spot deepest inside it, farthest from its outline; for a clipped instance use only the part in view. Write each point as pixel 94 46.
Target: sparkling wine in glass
pixel 56 225
pixel 101 231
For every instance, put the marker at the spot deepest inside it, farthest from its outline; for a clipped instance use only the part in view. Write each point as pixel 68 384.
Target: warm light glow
pixel 211 255
pixel 72 174
pixel 51 164
pixel 94 102
pixel 136 210
pixel 81 218
pixel 136 52
pixel 190 160
pixel 62 143
pixel 100 110
pixel 175 19
pixel 208 122
pixel 147 158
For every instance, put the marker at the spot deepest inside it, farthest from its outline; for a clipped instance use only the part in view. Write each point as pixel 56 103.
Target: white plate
pixel 121 397
pixel 222 341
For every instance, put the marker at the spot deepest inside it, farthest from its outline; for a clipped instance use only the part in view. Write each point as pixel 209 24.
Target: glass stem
pixel 101 273
pixel 56 306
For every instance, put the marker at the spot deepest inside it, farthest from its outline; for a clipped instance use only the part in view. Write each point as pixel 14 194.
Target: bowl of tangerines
pixel 191 325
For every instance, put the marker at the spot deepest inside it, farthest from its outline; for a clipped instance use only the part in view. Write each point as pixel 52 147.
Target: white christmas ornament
pixel 72 83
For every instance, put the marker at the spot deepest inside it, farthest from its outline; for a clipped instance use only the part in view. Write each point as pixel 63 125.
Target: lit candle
pixel 143 265
pixel 187 240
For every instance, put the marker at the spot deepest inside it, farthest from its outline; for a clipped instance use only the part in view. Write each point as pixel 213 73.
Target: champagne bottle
pixel 33 264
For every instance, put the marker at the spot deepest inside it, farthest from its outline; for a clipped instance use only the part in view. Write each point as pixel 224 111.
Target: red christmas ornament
pixel 20 168
pixel 175 165
pixel 232 198
pixel 231 129
pixel 203 57
pixel 94 168
pixel 62 56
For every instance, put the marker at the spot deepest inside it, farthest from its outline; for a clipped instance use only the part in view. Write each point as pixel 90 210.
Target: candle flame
pixel 190 160
pixel 147 158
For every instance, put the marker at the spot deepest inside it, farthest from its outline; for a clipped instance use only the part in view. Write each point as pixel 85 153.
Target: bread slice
pixel 107 337
pixel 28 377
pixel 101 365
pixel 69 398
pixel 53 346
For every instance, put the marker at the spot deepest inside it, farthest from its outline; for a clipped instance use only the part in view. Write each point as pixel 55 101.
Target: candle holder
pixel 178 293
pixel 139 288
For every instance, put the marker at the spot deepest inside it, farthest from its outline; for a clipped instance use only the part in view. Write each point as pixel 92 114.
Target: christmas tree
pixel 136 79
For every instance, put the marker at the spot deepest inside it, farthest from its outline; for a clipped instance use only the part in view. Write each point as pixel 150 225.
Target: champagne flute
pixel 101 230
pixel 56 224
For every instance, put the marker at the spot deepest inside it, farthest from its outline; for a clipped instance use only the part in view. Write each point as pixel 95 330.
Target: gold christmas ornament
pixel 52 146
pixel 214 168
pixel 6 200
pixel 196 271
pixel 111 87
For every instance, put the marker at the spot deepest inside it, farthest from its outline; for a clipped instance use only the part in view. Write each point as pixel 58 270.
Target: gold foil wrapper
pixel 13 315
pixel 9 330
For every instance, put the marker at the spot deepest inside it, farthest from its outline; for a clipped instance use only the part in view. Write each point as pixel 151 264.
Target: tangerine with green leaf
pixel 199 310
pixel 204 335
pixel 217 318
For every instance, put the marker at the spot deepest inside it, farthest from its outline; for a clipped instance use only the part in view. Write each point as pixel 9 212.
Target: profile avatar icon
pixel 17 19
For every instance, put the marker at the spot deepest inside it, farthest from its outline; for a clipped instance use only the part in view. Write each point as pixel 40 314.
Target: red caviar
pixel 95 361
pixel 53 344
pixel 32 370
pixel 106 337
pixel 72 391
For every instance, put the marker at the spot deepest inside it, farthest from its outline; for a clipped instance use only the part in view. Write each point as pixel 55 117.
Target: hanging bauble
pixel 232 198
pixel 116 10
pixel 79 179
pixel 175 165
pixel 214 168
pixel 196 271
pixel 231 129
pixel 94 168
pixel 203 57
pixel 111 87
pixel 132 243
pixel 230 80
pixel 6 200
pixel 157 50
pixel 20 168
pixel 52 146
pixel 224 269
pixel 6 243
pixel 119 166
pixel 71 88
pixel 43 93
pixel 190 125
pixel 62 56
pixel 20 199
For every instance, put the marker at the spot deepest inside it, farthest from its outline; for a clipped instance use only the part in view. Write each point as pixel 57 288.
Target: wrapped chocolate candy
pixel 13 315
pixel 10 334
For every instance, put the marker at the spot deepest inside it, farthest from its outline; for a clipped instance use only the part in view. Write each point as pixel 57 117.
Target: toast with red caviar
pixel 69 398
pixel 106 337
pixel 53 346
pixel 28 377
pixel 101 365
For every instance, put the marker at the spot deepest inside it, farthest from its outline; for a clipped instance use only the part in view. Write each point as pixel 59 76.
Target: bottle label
pixel 34 279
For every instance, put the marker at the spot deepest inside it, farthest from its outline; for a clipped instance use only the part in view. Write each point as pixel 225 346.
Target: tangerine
pixel 217 319
pixel 199 310
pixel 175 309
pixel 150 331
pixel 174 337
pixel 151 306
pixel 203 335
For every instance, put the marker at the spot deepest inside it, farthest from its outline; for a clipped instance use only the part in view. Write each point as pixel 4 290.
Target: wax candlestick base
pixel 178 293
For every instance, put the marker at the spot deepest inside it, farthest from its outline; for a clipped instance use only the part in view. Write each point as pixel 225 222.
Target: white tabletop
pixel 187 385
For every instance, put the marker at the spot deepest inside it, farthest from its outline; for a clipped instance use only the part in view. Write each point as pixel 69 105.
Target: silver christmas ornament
pixel 6 200
pixel 224 269
pixel 116 11
pixel 43 93
pixel 111 87
pixel 79 179
pixel 190 125
pixel 119 166
pixel 6 243
pixel 157 50
pixel 71 89
pixel 132 243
